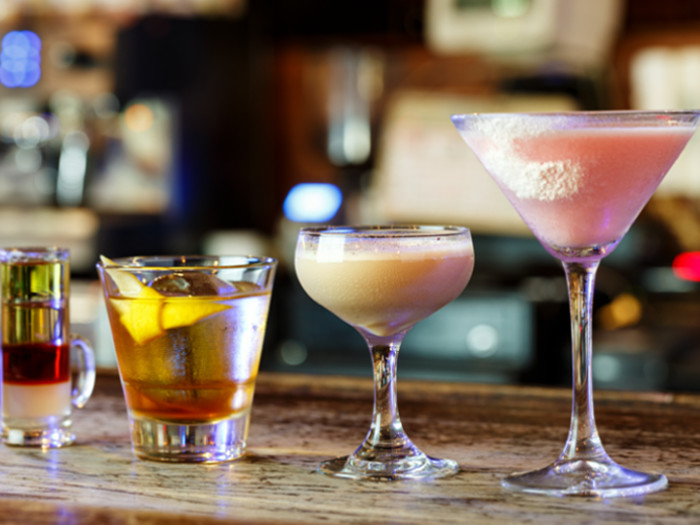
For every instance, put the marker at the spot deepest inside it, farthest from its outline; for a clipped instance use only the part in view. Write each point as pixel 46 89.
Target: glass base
pixel 418 467
pixel 215 442
pixel 590 478
pixel 45 432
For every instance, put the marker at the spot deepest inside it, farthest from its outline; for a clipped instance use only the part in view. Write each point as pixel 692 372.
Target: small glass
pixel 188 333
pixel 38 391
pixel 382 280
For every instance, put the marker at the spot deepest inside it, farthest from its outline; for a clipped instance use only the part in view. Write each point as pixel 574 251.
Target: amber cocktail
pixel 188 332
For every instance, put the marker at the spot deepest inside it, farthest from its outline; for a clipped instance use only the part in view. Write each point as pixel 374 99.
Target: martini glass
pixel 579 180
pixel 382 280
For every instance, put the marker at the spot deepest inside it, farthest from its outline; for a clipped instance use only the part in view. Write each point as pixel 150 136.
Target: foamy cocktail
pixel 576 186
pixel 579 180
pixel 188 333
pixel 382 280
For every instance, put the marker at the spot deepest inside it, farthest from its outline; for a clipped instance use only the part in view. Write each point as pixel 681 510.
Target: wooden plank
pixel 298 421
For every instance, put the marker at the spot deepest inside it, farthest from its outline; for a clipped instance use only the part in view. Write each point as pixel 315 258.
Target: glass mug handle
pixel 85 381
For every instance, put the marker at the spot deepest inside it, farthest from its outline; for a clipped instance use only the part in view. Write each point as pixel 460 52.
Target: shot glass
pixel 188 333
pixel 39 386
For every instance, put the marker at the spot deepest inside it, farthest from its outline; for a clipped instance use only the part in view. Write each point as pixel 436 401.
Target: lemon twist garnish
pixel 147 314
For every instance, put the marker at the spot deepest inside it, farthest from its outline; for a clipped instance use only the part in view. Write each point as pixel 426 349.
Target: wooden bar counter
pixel 298 421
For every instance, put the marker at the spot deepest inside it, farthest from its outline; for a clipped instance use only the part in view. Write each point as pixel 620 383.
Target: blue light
pixel 312 202
pixel 20 59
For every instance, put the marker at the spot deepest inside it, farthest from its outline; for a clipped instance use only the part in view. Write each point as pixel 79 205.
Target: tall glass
pixel 579 180
pixel 188 333
pixel 39 389
pixel 382 280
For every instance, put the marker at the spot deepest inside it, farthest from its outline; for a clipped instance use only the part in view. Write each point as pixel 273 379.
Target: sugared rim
pixel 385 230
pixel 677 116
pixel 168 262
pixel 594 112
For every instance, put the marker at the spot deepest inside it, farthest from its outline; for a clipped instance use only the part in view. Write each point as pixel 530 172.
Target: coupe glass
pixel 382 280
pixel 579 180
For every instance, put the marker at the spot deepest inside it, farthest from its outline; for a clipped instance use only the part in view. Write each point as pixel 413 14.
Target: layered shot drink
pixel 188 333
pixel 36 349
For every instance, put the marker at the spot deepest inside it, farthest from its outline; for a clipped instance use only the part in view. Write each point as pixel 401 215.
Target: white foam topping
pixel 335 249
pixel 527 179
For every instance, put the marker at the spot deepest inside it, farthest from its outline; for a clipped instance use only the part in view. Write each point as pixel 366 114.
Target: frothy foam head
pixel 338 249
pixel 527 179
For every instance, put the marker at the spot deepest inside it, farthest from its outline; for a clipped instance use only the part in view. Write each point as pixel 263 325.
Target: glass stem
pixel 386 434
pixel 583 442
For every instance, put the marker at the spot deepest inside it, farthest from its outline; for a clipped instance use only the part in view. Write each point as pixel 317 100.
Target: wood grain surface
pixel 491 430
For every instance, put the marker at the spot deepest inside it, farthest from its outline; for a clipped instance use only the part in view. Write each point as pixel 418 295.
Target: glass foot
pixel 580 477
pixel 42 437
pixel 44 432
pixel 418 467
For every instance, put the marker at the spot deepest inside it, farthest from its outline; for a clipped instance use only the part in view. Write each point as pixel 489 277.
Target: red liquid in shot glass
pixel 35 363
pixel 36 380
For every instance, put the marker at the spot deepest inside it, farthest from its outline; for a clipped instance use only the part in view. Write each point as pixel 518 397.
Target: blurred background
pixel 222 126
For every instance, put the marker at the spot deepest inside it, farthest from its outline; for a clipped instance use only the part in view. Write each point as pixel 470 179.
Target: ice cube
pixel 190 284
pixel 246 286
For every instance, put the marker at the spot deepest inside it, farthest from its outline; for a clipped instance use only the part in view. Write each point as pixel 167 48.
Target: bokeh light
pixel 20 59
pixel 312 202
pixel 687 266
pixel 138 117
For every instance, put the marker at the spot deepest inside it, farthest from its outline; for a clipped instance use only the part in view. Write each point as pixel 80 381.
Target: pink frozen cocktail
pixel 576 186
pixel 579 180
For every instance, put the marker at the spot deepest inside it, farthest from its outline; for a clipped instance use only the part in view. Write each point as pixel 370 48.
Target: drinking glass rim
pixel 14 254
pixel 603 114
pixel 385 230
pixel 141 262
